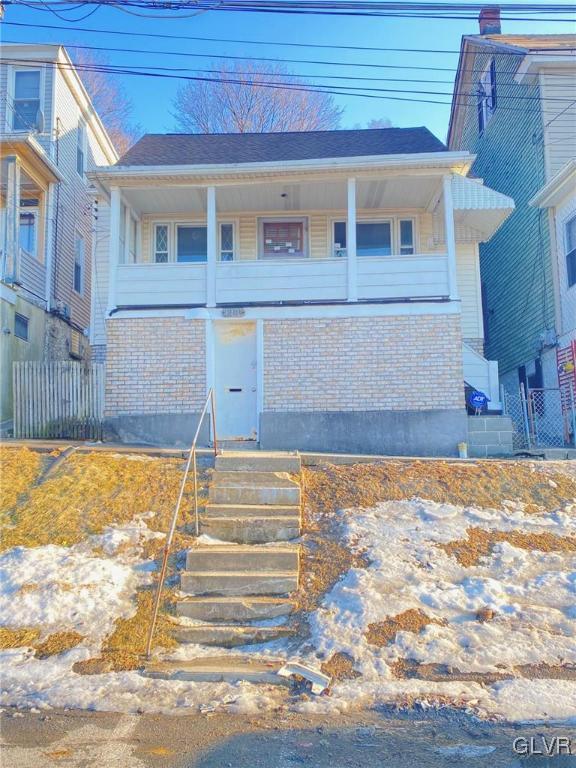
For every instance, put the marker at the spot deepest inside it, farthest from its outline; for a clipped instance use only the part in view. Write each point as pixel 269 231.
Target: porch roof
pixel 29 149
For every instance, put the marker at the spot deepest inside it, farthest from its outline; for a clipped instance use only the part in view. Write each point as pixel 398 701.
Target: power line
pixel 275 86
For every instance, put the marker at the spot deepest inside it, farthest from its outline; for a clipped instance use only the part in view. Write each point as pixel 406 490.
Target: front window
pixel 226 242
pixel 161 243
pixel 374 238
pixel 80 148
pixel 79 264
pixel 26 114
pixel 406 237
pixel 571 251
pixel 283 238
pixel 191 243
pixel 29 232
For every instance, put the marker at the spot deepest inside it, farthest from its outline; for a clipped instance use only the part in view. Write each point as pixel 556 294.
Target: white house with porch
pixel 325 284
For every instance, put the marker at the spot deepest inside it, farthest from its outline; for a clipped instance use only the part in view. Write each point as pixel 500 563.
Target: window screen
pixel 21 326
pixel 27 232
pixel 191 243
pixel 283 238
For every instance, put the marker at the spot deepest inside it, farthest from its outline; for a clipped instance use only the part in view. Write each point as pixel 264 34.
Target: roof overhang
pixel 479 207
pixel 558 188
pixel 533 63
pixel 446 162
pixel 26 146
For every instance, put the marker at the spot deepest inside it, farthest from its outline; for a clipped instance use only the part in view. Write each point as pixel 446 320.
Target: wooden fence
pixel 61 399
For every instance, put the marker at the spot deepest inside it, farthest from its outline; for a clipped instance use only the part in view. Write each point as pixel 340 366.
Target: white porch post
pixel 49 245
pixel 450 237
pixel 212 240
pixel 11 244
pixel 114 246
pixel 352 261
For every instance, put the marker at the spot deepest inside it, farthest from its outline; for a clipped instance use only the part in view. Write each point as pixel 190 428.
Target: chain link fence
pixel 542 418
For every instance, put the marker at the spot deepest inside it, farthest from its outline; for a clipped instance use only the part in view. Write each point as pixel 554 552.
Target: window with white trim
pixel 79 256
pixel 28 227
pixel 81 148
pixel 570 232
pixel 161 243
pixel 26 102
pixel 406 237
pixel 486 96
pixel 283 238
pixel 373 238
pixel 226 231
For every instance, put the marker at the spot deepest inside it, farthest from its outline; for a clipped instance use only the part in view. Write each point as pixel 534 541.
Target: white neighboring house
pixel 558 196
pixel 50 138
pixel 326 284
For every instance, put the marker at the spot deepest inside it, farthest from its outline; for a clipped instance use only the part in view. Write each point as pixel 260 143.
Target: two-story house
pixel 325 284
pixel 514 107
pixel 50 138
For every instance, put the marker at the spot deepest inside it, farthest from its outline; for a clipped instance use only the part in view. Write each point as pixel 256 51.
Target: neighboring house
pixel 50 137
pixel 326 284
pixel 514 107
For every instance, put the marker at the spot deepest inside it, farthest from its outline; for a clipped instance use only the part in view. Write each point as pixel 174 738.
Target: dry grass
pixel 90 491
pixel 57 643
pixel 19 469
pixel 482 484
pixel 18 638
pixel 340 666
pixel 381 633
pixel 479 543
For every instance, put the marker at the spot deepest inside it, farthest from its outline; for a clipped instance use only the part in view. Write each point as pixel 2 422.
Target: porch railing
pixel 190 463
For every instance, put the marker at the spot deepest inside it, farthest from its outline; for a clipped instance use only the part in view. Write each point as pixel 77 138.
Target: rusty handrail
pixel 191 461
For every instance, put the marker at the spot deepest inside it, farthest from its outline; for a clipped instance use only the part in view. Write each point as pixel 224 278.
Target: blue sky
pixel 152 97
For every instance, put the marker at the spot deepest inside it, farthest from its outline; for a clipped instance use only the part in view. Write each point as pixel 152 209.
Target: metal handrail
pixel 170 536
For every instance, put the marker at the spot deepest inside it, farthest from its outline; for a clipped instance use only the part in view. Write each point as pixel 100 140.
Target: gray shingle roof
pixel 227 148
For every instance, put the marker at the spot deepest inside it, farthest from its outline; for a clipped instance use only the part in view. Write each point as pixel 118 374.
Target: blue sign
pixel 477 400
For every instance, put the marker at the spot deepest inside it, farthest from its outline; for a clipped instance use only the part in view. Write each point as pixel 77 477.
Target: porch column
pixel 351 243
pixel 114 246
pixel 11 244
pixel 212 240
pixel 450 237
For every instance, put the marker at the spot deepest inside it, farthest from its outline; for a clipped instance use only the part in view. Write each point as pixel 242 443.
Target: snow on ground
pixel 88 586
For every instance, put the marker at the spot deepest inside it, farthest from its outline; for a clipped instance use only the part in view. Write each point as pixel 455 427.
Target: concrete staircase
pixel 240 590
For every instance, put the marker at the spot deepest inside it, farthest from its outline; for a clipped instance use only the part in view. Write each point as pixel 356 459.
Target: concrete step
pixel 251 510
pixel 262 461
pixel 253 488
pixel 234 608
pixel 237 583
pixel 216 669
pixel 252 530
pixel 242 558
pixel 226 636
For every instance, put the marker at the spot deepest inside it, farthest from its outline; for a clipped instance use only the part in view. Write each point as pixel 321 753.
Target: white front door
pixel 235 379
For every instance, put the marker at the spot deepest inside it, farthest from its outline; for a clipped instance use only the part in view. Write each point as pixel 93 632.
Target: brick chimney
pixel 489 20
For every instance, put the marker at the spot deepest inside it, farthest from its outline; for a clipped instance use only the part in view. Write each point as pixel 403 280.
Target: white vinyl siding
pixel 558 100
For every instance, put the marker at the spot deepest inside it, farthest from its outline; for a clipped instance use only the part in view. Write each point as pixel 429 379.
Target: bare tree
pixel 232 103
pixel 379 122
pixel 110 100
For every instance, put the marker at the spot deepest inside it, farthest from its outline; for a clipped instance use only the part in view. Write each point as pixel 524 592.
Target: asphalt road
pixel 368 740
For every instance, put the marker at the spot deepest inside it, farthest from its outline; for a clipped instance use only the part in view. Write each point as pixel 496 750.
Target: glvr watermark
pixel 544 746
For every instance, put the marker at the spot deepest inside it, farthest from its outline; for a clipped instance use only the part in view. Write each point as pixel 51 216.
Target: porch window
pixel 373 238
pixel 226 242
pixel 161 243
pixel 26 114
pixel 29 232
pixel 406 227
pixel 283 238
pixel 571 251
pixel 191 243
pixel 79 264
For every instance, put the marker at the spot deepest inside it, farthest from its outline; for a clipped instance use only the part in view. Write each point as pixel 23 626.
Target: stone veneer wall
pixel 155 366
pixel 403 363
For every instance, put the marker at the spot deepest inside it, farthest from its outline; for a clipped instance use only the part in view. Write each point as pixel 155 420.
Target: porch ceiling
pixel 390 192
